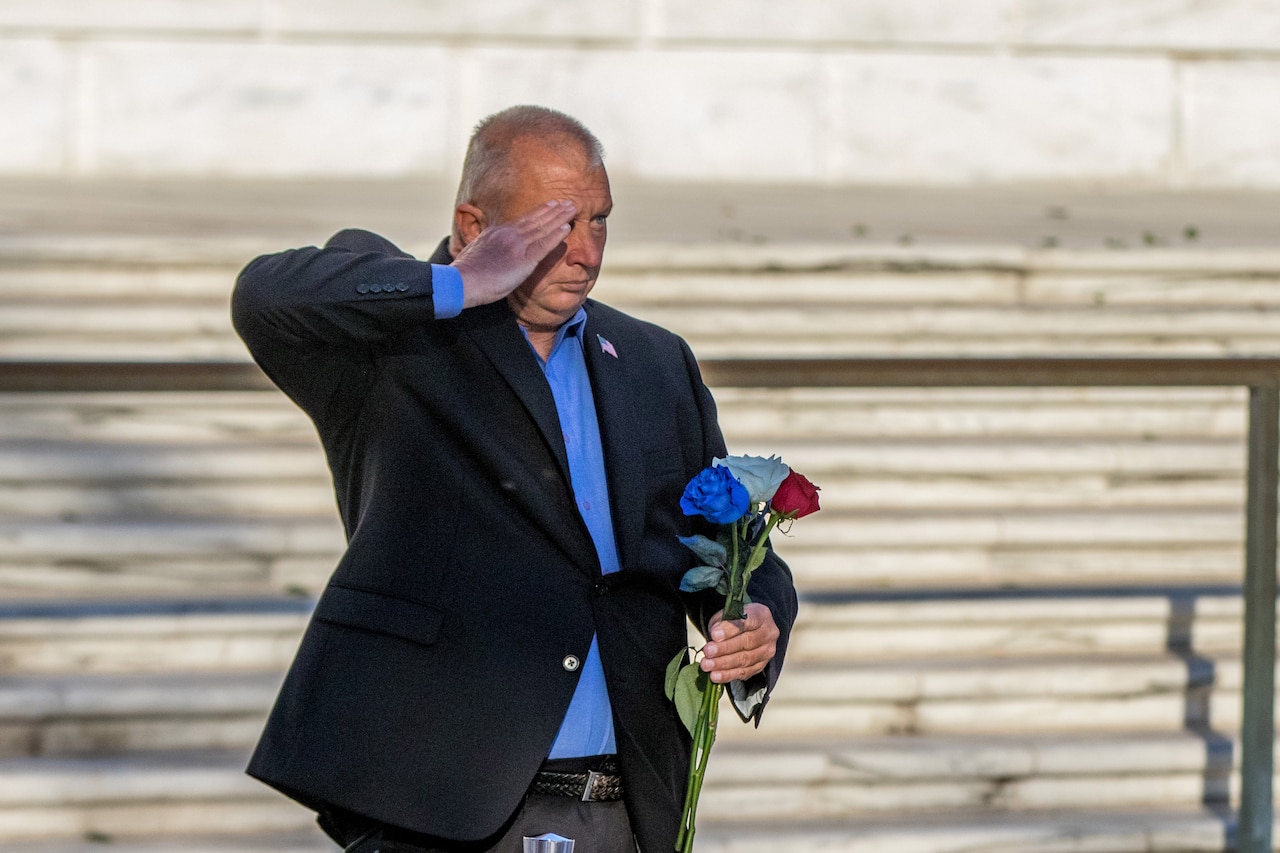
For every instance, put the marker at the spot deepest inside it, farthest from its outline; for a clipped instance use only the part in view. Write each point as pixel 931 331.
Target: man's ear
pixel 468 222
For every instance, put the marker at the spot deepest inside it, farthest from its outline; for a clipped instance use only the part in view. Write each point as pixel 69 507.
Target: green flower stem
pixel 704 737
pixel 704 730
pixel 691 782
pixel 733 602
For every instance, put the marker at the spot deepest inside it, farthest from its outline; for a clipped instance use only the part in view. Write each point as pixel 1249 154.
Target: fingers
pixel 741 648
pixel 546 228
pixel 498 260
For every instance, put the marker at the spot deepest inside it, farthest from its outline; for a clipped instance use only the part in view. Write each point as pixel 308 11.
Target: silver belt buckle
pixel 591 785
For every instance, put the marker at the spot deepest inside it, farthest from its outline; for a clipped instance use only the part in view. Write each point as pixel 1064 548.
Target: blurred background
pixel 1021 626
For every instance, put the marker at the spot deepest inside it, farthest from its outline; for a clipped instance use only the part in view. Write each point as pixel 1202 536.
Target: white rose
pixel 759 476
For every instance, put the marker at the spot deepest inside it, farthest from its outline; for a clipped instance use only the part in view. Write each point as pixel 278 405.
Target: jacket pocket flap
pixel 384 614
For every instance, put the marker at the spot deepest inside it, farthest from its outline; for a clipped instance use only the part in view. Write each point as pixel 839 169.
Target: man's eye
pixel 599 220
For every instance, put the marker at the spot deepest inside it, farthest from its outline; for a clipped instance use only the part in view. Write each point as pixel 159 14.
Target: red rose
pixel 796 496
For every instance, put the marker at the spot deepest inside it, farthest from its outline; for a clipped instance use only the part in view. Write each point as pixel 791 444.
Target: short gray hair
pixel 487 170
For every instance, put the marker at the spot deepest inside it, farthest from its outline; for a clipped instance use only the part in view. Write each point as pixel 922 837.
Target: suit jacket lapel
pixel 548 502
pixel 499 338
pixel 495 331
pixel 619 419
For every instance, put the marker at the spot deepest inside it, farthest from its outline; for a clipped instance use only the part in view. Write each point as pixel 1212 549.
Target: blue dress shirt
pixel 446 291
pixel 588 724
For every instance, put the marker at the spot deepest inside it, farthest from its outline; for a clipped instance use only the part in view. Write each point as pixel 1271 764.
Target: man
pixel 487 660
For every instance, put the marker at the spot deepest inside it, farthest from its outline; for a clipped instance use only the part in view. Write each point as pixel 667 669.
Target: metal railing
pixel 1260 375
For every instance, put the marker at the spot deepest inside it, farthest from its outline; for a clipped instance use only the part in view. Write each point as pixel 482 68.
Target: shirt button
pixel 586 505
pixel 570 663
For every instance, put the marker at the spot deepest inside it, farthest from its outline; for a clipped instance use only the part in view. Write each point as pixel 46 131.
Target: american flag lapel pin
pixel 605 346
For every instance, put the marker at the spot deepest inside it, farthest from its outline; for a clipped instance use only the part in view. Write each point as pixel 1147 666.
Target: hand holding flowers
pixel 748 496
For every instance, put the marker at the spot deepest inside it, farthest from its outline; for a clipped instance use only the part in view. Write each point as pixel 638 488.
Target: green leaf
pixel 722 586
pixel 701 577
pixel 673 670
pixel 711 553
pixel 690 685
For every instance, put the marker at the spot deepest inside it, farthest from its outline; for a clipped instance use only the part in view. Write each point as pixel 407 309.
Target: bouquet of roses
pixel 747 496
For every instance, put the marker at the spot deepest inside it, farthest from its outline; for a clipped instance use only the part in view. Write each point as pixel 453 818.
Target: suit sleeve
pixel 771 583
pixel 313 319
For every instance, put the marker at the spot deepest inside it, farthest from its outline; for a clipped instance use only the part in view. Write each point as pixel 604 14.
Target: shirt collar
pixel 572 326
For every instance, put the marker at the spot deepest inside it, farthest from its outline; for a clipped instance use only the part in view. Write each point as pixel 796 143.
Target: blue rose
pixel 716 495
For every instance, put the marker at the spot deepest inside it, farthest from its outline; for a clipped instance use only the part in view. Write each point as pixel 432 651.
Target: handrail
pixel 1261 375
pixel 1013 372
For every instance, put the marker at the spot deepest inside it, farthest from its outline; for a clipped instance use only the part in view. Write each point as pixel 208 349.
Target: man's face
pixel 559 285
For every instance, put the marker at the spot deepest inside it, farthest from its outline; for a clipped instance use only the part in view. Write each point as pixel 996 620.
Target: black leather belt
pixel 594 786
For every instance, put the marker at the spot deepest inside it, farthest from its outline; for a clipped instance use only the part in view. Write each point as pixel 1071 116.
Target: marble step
pixel 77 478
pixel 935 455
pixel 178 554
pixel 1191 830
pixel 1113 831
pixel 293 842
pixel 142 636
pixel 202 634
pixel 830 778
pixel 180 338
pixel 67 480
pixel 662 275
pixel 960 623
pixel 157 794
pixel 37 540
pixel 312 495
pixel 88 328
pixel 910 567
pixel 833 550
pixel 198 267
pixel 114 714
pixel 79 713
pixel 190 791
pixel 745 413
pixel 816 413
pixel 998 697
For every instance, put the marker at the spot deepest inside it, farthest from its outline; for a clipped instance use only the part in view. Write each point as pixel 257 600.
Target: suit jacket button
pixel 377 288
pixel 571 663
pixel 402 287
pixel 362 288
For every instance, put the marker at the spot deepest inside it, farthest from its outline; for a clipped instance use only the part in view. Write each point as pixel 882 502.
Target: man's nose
pixel 584 248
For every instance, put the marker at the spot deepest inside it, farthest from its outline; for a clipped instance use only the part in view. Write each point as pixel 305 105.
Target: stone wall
pixel 1149 93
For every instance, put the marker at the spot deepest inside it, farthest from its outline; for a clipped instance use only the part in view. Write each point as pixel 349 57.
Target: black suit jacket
pixel 430 683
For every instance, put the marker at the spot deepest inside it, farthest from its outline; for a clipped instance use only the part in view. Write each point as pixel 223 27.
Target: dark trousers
pixel 594 827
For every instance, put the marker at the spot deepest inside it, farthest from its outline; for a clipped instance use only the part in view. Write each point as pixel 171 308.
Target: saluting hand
pixel 502 256
pixel 741 648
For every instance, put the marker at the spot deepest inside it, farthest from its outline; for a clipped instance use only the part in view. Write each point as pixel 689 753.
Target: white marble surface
pixel 959 119
pixel 274 109
pixel 520 19
pixel 1230 130
pixel 1159 24
pixel 1154 93
pixel 867 21
pixel 35 84
pixel 744 115
pixel 78 16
